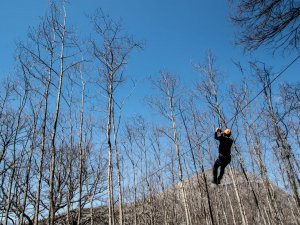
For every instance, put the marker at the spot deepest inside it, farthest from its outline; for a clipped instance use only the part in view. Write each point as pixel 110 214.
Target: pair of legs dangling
pixel 222 162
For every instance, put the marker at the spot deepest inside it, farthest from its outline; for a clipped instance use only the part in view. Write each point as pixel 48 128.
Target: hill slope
pixel 235 201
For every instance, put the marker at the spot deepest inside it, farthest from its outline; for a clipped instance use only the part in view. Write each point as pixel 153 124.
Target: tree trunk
pixel 52 199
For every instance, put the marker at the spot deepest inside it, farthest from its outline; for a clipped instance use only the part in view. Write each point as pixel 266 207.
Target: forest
pixel 70 154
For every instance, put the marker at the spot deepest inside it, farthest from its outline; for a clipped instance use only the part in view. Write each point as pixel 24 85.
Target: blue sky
pixel 176 33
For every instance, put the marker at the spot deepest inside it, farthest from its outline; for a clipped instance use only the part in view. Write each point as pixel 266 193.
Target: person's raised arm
pixel 218 133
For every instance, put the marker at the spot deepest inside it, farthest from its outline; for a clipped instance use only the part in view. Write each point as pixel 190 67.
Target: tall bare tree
pixel 22 95
pixel 111 49
pixel 167 86
pixel 280 132
pixel 50 54
pixel 252 138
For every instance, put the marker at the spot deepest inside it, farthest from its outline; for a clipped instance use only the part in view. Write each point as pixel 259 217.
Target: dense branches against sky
pixel 267 23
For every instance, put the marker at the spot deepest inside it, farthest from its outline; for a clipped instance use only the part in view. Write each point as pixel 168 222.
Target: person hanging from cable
pixel 224 157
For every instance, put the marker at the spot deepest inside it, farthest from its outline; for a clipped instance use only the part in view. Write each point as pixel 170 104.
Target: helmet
pixel 227 132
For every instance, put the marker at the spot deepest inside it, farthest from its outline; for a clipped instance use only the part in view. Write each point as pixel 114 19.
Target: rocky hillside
pixel 232 202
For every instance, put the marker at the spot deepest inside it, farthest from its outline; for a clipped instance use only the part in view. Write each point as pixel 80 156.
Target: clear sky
pixel 176 32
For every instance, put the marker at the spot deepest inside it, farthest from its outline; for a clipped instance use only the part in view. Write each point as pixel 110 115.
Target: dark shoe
pixel 215 181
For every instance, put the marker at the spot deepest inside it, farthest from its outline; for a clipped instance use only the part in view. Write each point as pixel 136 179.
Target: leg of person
pixel 222 170
pixel 215 170
pixel 223 165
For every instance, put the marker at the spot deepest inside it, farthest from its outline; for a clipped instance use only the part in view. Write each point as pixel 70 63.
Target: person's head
pixel 227 132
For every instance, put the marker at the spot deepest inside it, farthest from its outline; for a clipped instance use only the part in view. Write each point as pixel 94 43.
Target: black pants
pixel 222 162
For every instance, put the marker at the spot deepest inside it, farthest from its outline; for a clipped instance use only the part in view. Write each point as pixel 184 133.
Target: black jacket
pixel 225 144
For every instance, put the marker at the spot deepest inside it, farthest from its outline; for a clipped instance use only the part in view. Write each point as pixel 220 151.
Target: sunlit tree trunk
pixel 112 55
pixel 23 100
pixel 129 135
pixel 198 145
pixel 253 136
pixel 181 184
pixel 282 143
pixel 52 207
pixel 81 152
pixel 29 165
pixel 120 194
pixel 167 85
pixel 70 163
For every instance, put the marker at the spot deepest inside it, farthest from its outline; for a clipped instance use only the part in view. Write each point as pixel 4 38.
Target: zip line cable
pixel 235 115
pixel 261 91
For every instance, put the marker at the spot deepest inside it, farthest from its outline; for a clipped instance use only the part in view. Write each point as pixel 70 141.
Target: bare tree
pixel 129 150
pixel 252 137
pixel 112 54
pixel 61 29
pixel 6 132
pixel 280 132
pixel 156 145
pixel 167 86
pixel 49 56
pixel 81 150
pixel 209 89
pixel 35 118
pixel 290 98
pixel 17 128
pixel 269 23
pixel 195 140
